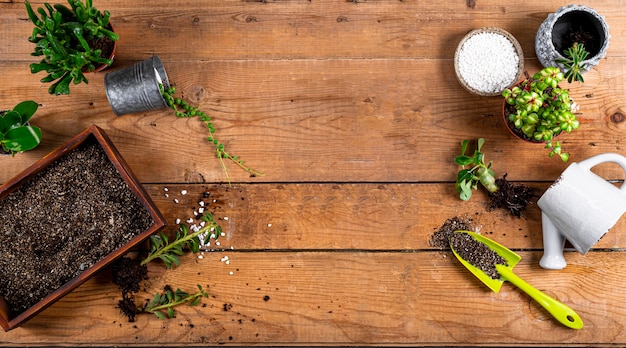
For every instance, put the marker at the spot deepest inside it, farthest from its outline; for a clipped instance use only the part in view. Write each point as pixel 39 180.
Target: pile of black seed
pixel 63 221
pixel 477 253
pixel 441 238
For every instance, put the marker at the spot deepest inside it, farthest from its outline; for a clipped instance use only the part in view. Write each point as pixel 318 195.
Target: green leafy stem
pixel 182 109
pixel 161 248
pixel 479 172
pixel 162 304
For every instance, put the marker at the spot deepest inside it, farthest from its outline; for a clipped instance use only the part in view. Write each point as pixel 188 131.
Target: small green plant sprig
pixel 162 304
pixel 161 248
pixel 543 110
pixel 16 133
pixel 478 171
pixel 182 109
pixel 65 38
pixel 573 62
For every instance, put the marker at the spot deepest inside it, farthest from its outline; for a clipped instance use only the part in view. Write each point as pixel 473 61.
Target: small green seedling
pixel 16 133
pixel 478 171
pixel 162 304
pixel 161 248
pixel 182 109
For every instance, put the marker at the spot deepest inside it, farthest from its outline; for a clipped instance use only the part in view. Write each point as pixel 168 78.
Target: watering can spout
pixel 553 243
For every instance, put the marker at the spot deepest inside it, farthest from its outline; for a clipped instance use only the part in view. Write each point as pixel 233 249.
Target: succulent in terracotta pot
pixel 16 133
pixel 538 110
pixel 72 41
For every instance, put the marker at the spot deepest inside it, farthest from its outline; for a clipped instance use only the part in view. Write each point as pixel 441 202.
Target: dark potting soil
pixel 128 273
pixel 63 221
pixel 477 253
pixel 577 26
pixel 441 238
pixel 514 198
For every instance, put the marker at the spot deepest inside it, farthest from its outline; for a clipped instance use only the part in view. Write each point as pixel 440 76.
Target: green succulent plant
pixel 68 39
pixel 573 62
pixel 540 110
pixel 16 133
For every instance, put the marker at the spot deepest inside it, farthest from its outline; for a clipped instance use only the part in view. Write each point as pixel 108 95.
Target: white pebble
pixel 201 203
pixel 166 195
pixel 176 201
pixel 190 220
pixel 225 218
pixel 200 257
pixel 165 189
pixel 177 221
pixel 488 62
pixel 200 210
pixel 183 192
pixel 269 225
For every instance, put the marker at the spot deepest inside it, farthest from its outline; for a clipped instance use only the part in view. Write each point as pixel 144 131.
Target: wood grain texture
pixel 353 111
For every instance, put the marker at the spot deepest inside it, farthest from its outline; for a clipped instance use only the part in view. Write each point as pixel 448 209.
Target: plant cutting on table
pixel 132 272
pixel 502 193
pixel 182 109
pixel 16 133
pixel 72 41
pixel 538 110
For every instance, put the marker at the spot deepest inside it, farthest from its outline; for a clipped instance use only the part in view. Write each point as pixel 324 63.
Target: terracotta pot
pixel 111 56
pixel 151 218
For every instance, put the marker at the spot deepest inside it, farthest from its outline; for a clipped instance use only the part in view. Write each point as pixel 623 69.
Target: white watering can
pixel 581 207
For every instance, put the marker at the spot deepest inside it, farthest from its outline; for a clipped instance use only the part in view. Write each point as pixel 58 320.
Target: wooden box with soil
pixel 65 218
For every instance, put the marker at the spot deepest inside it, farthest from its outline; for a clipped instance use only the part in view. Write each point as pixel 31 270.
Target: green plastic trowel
pixel 564 314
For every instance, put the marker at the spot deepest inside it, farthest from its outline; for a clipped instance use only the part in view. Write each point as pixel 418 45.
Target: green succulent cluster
pixel 64 37
pixel 543 110
pixel 16 133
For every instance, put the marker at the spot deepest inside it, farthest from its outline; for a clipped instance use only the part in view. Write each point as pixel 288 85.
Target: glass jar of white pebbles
pixel 488 60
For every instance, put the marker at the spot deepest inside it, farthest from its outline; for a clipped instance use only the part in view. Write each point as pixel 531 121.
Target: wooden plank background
pixel 353 112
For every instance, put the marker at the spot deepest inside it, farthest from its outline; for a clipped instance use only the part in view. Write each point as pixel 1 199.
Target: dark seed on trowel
pixel 478 254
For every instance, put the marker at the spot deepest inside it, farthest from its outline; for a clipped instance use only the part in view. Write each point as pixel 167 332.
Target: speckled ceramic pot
pixel 552 37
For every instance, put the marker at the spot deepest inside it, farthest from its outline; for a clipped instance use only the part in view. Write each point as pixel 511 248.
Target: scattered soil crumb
pixel 512 197
pixel 477 254
pixel 441 238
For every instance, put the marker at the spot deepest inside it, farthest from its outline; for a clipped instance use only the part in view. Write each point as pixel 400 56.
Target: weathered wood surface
pixel 353 112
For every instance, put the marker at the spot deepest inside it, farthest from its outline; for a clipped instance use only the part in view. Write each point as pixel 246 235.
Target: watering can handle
pixel 605 157
pixel 561 312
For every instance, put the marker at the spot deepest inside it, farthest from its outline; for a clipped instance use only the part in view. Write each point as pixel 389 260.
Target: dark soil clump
pixel 63 221
pixel 441 238
pixel 478 254
pixel 512 197
pixel 128 273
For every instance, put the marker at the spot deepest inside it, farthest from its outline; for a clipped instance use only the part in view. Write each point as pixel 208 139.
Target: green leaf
pixel 170 312
pixel 463 160
pixel 26 109
pixel 22 138
pixel 160 315
pixel 464 144
pixel 12 119
pixel 481 142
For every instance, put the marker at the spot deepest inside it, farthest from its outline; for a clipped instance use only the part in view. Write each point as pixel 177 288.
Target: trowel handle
pixel 560 311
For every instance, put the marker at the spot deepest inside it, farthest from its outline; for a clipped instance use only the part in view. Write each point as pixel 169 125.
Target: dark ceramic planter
pixel 136 88
pixel 146 208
